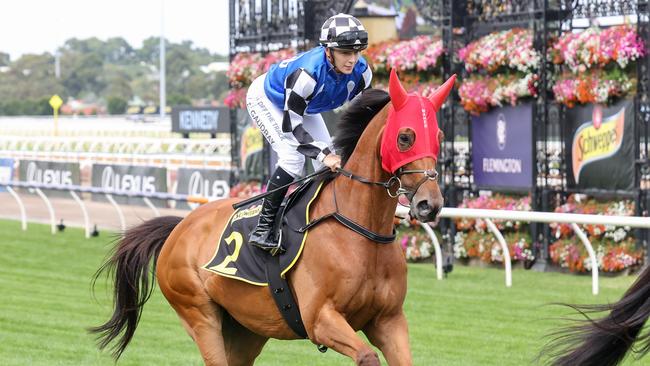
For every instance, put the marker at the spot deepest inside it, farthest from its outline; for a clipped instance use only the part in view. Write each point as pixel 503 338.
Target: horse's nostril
pixel 423 207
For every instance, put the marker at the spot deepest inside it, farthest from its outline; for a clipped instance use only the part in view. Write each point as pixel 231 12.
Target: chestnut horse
pixel 342 282
pixel 607 340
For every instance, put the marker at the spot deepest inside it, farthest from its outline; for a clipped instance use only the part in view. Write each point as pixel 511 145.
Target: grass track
pixel 468 319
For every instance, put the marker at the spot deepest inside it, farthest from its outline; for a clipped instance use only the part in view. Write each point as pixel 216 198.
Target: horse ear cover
pixel 398 95
pixel 440 95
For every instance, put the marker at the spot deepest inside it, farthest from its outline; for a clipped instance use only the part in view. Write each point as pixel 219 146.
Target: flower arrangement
pixel 480 93
pixel 571 254
pixel 598 63
pixel 244 68
pixel 419 54
pixel 473 241
pixel 415 243
pixel 615 247
pixel 594 86
pixel 494 202
pixel 236 98
pixel 504 64
pixel 486 247
pixel 597 48
pixel 581 205
pixel 512 49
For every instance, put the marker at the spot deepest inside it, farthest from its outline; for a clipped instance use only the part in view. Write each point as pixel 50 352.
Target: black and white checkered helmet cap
pixel 343 31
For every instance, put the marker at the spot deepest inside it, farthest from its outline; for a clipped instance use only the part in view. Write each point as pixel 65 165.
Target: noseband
pixel 393 185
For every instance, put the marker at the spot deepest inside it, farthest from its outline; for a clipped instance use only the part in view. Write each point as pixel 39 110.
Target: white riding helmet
pixel 343 31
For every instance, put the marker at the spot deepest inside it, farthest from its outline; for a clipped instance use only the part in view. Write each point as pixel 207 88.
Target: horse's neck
pixel 367 204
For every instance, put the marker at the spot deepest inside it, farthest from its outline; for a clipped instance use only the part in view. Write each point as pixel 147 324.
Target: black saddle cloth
pixel 234 258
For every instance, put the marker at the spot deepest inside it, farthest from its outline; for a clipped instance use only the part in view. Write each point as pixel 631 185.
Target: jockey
pixel 286 103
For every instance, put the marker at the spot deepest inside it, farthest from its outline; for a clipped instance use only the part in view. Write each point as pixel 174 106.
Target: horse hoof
pixel 368 358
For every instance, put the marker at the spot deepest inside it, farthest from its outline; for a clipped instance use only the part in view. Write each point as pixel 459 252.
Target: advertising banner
pixel 502 153
pixel 186 119
pixel 50 172
pixel 6 172
pixel 136 179
pixel 600 146
pixel 209 183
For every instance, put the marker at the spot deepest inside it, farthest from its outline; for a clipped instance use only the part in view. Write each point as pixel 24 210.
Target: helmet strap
pixel 329 52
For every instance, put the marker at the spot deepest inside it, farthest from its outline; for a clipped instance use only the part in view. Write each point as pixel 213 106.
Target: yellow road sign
pixel 56 102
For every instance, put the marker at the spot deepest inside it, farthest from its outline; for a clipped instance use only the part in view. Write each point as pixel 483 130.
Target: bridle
pixel 393 185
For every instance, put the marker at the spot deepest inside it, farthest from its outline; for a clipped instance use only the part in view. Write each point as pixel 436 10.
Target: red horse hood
pixel 414 112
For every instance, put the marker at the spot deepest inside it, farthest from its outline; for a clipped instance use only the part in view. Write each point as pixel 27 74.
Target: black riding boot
pixel 262 237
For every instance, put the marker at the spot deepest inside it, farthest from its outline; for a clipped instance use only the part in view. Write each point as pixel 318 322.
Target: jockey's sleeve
pixel 364 83
pixel 366 79
pixel 299 90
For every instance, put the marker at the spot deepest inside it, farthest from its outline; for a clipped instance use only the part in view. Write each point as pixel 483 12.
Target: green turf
pixel 471 318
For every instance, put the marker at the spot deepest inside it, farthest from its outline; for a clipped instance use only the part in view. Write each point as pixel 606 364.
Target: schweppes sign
pixel 593 142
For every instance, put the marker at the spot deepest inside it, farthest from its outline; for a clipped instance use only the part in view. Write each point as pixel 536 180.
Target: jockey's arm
pixel 299 89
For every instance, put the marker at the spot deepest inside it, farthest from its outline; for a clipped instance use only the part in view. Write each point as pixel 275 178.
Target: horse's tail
pixel 129 266
pixel 606 341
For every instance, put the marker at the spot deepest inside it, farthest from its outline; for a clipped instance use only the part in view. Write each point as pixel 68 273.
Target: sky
pixel 37 26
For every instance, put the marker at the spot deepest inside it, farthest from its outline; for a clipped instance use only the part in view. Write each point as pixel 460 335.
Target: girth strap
pixel 284 299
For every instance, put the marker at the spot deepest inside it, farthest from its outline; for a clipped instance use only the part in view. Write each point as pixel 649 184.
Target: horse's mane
pixel 355 120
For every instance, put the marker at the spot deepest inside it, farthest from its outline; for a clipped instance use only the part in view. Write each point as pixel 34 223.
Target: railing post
pixel 49 208
pixel 83 211
pixel 119 211
pixel 506 252
pixel 23 214
pixel 436 247
pixel 592 257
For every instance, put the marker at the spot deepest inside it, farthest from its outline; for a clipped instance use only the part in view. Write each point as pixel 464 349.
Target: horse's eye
pixel 405 139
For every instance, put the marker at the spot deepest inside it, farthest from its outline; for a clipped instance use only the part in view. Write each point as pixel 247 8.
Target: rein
pixel 393 181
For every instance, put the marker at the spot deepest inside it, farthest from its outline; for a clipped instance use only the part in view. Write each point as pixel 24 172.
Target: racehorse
pixel 342 282
pixel 607 340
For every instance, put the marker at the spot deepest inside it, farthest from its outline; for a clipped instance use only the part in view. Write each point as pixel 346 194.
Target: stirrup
pixel 278 249
pixel 273 249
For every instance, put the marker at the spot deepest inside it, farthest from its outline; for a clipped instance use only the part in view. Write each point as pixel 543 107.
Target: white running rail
pixel 546 217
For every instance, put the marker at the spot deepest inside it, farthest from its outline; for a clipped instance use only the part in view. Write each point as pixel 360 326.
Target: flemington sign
pixel 502 155
pixel 186 119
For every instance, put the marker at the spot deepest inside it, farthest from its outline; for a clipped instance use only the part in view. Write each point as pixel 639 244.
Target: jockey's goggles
pixel 355 40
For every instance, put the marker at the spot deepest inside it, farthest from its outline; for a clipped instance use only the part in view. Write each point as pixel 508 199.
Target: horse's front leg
pixel 390 335
pixel 332 330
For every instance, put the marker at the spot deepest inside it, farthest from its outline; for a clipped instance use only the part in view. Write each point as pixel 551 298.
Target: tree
pixel 5 59
pixel 30 77
pixel 82 73
pixel 118 82
pixel 116 105
pixel 97 70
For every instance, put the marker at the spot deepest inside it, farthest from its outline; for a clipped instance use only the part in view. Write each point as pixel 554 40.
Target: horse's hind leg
pixel 242 346
pixel 201 317
pixel 203 323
